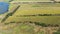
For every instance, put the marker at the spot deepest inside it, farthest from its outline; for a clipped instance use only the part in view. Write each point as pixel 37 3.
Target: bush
pixel 12 22
pixel 41 24
pixel 56 32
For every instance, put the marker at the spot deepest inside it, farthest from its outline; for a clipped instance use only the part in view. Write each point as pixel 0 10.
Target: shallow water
pixel 3 7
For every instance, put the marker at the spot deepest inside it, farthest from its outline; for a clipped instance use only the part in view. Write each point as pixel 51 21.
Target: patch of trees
pixel 44 24
pixel 10 22
pixel 10 14
pixel 37 23
pixel 39 15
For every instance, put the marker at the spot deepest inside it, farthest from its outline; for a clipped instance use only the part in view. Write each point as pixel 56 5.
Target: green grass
pixel 19 29
pixel 24 29
pixel 41 32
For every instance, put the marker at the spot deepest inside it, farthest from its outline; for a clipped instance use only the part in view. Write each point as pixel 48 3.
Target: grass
pixel 24 29
pixel 19 29
pixel 41 32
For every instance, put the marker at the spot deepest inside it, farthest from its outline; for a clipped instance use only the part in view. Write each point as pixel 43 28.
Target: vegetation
pixel 16 25
pixel 58 32
pixel 37 10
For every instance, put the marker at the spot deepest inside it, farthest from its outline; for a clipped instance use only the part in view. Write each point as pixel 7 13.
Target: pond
pixel 4 7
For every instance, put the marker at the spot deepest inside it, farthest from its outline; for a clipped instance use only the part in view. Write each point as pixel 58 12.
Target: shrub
pixel 41 24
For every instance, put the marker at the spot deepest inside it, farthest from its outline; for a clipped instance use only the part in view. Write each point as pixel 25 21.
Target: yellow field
pixel 31 9
pixel 31 0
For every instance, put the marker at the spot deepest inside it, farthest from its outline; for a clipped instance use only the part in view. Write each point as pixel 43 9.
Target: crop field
pixel 28 19
pixel 34 9
pixel 31 0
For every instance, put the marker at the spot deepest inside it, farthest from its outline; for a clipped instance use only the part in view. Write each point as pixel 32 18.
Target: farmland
pixel 31 0
pixel 27 19
pixel 38 9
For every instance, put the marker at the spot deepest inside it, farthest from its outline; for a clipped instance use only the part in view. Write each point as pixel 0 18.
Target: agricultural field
pixel 31 0
pixel 31 18
pixel 34 9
